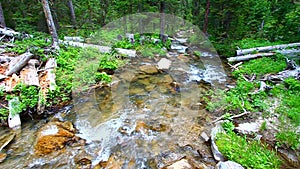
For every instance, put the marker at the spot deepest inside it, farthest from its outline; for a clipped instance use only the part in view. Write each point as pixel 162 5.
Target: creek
pixel 145 118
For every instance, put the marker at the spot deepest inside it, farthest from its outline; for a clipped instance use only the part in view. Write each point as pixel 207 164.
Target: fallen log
pixel 265 49
pixel 18 63
pixel 29 75
pixel 9 32
pixel 248 57
pixel 11 82
pixel 103 49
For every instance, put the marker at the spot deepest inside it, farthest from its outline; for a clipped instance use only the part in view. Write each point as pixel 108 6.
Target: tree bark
pixel 29 75
pixel 50 24
pixel 17 64
pixel 162 20
pixel 9 32
pixel 2 20
pixel 248 57
pixel 265 49
pixel 206 17
pixel 72 12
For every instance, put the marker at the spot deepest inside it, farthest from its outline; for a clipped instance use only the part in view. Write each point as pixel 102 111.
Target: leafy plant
pixel 262 66
pixel 228 126
pixel 290 138
pixel 250 154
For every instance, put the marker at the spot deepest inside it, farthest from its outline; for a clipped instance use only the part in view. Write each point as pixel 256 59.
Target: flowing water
pixel 141 120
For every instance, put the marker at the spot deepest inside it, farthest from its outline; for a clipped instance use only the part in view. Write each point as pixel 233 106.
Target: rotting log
pixel 248 57
pixel 29 75
pixel 11 82
pixel 47 81
pixel 265 49
pixel 18 63
pixel 49 67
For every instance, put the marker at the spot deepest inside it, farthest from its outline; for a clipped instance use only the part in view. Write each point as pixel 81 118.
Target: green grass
pixel 250 154
pixel 262 66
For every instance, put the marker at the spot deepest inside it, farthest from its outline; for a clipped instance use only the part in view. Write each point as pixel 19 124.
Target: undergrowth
pixel 250 154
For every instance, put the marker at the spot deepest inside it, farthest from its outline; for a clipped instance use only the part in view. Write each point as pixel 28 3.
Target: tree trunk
pixel 162 20
pixel 18 63
pixel 50 24
pixel 248 57
pixel 265 49
pixel 72 12
pixel 206 17
pixel 2 20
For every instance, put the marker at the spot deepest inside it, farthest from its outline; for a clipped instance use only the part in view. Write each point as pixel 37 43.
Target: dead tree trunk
pixel 206 17
pixel 265 49
pixel 2 20
pixel 50 24
pixel 18 63
pixel 72 12
pixel 248 57
pixel 162 20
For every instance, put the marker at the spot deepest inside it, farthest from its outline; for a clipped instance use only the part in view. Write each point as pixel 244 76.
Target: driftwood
pixel 29 74
pixel 18 63
pixel 265 49
pixel 248 57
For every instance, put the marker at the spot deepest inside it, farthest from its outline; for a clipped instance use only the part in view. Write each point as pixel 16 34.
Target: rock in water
pixel 2 157
pixel 164 64
pixel 149 69
pixel 4 141
pixel 181 164
pixel 54 136
pixel 228 165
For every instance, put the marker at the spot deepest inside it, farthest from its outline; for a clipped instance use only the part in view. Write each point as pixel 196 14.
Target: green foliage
pixel 28 96
pixel 34 45
pixel 102 77
pixel 3 113
pixel 228 126
pixel 108 62
pixel 252 43
pixel 263 126
pixel 262 66
pixel 250 154
pixel 290 138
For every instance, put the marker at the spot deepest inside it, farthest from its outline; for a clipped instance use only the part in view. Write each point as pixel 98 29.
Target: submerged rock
pixel 228 165
pixel 181 164
pixel 148 69
pixel 54 136
pixel 6 139
pixel 2 157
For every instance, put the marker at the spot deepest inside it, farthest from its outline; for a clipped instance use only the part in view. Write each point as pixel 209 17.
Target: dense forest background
pixel 225 22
